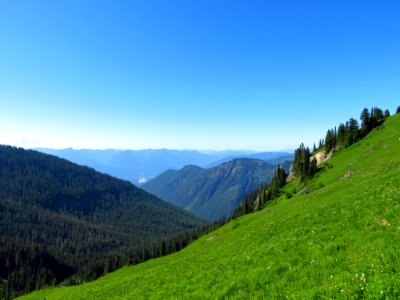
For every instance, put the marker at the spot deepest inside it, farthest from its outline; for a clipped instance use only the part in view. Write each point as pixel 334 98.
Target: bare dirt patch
pixel 210 238
pixel 348 174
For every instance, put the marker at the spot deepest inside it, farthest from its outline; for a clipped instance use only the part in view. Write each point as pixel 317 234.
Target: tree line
pixel 351 132
pixel 343 136
pixel 305 164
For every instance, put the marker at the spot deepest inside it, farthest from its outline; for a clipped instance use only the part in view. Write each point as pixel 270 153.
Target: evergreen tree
pixel 313 168
pixel 377 117
pixel 334 141
pixel 303 165
pixel 306 164
pixel 298 159
pixel 398 110
pixel 321 143
pixel 352 132
pixel 365 121
pixel 387 113
pixel 329 141
pixel 341 135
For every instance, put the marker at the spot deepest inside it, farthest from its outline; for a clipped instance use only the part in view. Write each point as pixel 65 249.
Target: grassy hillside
pixel 212 193
pixel 340 240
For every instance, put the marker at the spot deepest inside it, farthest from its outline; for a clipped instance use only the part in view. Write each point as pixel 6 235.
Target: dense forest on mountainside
pixel 59 219
pixel 334 235
pixel 212 193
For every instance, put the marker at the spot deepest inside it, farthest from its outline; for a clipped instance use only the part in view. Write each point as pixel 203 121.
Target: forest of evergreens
pixel 60 222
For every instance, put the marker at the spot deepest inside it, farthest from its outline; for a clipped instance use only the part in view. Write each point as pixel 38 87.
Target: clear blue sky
pixel 263 75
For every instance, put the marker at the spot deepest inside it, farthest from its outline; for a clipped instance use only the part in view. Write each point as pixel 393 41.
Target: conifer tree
pixel 334 135
pixel 321 143
pixel 306 164
pixel 365 121
pixel 329 141
pixel 398 110
pixel 387 113
pixel 313 168
pixel 377 117
pixel 341 135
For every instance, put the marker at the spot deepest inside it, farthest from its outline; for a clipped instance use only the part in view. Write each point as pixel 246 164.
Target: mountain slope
pixel 71 216
pixel 339 240
pixel 211 193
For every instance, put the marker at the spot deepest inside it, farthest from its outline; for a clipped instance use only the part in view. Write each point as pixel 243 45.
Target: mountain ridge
pixel 139 166
pixel 212 193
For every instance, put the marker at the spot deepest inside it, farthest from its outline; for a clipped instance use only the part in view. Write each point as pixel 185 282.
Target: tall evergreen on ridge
pixel 329 141
pixel 352 132
pixel 365 121
pixel 398 110
pixel 341 135
pixel 377 116
pixel 303 165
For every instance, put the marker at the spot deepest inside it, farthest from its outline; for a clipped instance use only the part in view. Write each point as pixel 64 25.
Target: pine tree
pixel 298 159
pixel 352 135
pixel 306 164
pixel 313 168
pixel 398 110
pixel 387 113
pixel 334 140
pixel 377 117
pixel 329 141
pixel 341 135
pixel 365 121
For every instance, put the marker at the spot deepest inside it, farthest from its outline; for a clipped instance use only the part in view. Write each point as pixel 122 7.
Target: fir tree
pixel 365 121
pixel 341 135
pixel 329 141
pixel 377 117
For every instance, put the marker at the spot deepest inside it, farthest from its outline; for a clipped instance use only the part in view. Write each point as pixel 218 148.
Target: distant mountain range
pixel 139 166
pixel 214 192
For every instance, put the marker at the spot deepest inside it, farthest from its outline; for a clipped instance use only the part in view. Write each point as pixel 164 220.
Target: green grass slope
pixel 341 240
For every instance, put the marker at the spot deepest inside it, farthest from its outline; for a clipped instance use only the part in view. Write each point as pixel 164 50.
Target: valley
pixel 213 193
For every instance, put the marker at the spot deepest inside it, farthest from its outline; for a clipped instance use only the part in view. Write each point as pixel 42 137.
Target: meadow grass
pixel 340 240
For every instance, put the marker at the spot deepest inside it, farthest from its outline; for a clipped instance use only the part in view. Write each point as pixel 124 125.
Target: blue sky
pixel 262 75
